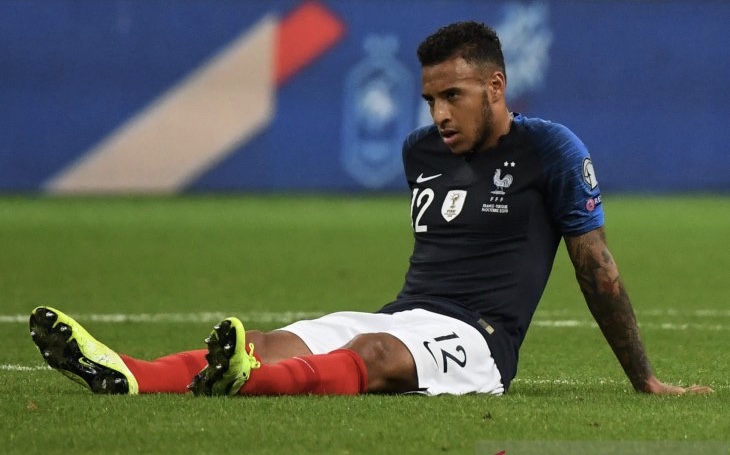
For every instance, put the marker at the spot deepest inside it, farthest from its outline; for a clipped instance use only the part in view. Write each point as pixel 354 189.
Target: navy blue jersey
pixel 487 226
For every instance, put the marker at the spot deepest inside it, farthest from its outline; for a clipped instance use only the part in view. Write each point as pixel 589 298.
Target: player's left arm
pixel 609 303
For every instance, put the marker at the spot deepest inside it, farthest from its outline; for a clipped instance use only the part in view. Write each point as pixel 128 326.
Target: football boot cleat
pixel 229 362
pixel 67 347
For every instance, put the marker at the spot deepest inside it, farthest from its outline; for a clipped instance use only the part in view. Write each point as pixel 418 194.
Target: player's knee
pixel 272 347
pixel 258 339
pixel 389 363
pixel 374 348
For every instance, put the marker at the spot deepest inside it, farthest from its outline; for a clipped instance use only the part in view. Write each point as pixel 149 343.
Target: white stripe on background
pixel 189 128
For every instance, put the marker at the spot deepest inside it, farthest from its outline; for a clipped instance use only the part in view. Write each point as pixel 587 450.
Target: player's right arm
pixel 609 303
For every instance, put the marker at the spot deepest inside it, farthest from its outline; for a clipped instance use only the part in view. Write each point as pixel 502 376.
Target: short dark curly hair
pixel 473 41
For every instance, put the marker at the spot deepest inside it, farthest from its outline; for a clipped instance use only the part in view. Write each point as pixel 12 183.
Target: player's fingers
pixel 699 389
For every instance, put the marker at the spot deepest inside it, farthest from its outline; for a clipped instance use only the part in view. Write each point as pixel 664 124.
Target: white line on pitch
pixel 8 367
pixel 573 323
pixel 668 312
pixel 596 381
pixel 283 317
pixel 287 317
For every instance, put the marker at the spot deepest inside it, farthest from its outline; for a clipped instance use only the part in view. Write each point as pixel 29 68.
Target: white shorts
pixel 451 356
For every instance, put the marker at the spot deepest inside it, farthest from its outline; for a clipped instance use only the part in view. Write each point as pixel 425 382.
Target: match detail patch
pixel 453 204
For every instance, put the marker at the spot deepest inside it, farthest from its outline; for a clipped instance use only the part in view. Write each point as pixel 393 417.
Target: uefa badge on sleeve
pixel 589 175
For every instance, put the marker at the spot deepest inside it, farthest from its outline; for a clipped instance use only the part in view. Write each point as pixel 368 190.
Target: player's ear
pixel 497 85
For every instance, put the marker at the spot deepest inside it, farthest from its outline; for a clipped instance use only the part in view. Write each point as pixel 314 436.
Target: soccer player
pixel 492 194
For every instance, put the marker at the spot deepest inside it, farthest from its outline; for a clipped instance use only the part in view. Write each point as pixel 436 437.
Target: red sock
pixel 341 372
pixel 169 374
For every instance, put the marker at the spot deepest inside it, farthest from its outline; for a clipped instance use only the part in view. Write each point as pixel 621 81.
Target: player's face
pixel 457 94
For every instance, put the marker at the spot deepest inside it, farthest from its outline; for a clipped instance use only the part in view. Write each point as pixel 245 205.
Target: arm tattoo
pixel 609 303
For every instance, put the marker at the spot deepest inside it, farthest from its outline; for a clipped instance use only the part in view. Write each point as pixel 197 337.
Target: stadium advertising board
pixel 317 95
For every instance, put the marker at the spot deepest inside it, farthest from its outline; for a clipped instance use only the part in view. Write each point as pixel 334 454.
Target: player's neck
pixel 502 124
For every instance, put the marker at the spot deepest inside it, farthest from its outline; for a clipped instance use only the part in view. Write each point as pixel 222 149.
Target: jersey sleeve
pixel 408 144
pixel 572 191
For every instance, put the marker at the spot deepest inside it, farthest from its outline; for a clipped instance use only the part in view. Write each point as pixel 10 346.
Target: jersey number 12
pixel 420 202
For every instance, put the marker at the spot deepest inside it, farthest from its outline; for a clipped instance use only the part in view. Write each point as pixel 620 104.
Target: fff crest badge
pixel 377 114
pixel 453 204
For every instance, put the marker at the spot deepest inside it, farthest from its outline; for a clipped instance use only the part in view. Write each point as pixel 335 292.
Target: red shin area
pixel 341 372
pixel 169 374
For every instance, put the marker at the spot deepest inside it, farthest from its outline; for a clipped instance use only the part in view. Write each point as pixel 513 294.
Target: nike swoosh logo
pixel 86 362
pixel 422 179
pixel 425 345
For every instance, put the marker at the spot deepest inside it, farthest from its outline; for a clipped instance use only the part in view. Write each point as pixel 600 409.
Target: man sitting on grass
pixel 492 194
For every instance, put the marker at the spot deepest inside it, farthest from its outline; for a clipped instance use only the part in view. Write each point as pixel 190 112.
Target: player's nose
pixel 441 114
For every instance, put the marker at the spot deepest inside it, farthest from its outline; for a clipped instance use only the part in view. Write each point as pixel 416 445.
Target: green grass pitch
pixel 149 276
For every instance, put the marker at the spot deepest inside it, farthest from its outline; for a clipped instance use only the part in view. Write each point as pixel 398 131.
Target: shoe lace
pixel 254 361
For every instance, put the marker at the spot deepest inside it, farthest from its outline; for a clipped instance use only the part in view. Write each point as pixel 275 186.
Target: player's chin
pixel 457 147
pixel 456 150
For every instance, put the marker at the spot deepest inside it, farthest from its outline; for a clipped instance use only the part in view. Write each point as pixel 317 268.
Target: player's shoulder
pixel 419 136
pixel 546 132
pixel 551 139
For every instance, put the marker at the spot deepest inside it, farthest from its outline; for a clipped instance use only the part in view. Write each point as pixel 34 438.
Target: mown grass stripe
pixel 524 381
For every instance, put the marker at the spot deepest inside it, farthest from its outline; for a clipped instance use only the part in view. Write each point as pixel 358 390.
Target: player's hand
pixel 656 387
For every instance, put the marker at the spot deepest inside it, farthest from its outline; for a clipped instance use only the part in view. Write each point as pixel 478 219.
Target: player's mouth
pixel 449 136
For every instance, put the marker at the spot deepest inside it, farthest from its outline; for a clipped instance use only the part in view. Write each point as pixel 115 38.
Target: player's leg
pixel 173 373
pixel 410 351
pixel 277 345
pixel 233 366
pixel 381 358
pixel 168 374
pixel 389 364
pixel 67 347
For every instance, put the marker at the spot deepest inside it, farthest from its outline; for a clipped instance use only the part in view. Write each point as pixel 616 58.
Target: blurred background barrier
pixel 267 95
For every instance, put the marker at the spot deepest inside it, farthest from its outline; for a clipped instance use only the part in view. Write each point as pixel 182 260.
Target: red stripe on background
pixel 303 35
